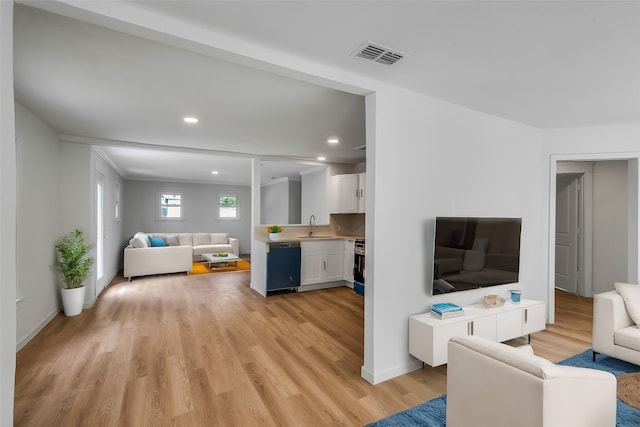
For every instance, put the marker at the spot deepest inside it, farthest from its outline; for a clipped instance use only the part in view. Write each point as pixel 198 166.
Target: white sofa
pixel 494 385
pixel 614 332
pixel 181 250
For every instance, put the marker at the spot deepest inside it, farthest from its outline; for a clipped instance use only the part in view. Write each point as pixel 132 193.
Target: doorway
pixel 596 218
pixel 100 233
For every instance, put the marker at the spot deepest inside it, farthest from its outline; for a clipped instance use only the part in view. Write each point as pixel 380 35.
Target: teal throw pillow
pixel 156 241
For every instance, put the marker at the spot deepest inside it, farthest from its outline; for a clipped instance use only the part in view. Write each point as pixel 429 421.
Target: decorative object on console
pixel 446 310
pixel 492 301
pixel 515 295
pixel 274 232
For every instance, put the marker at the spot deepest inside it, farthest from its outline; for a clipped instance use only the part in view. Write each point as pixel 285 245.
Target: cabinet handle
pixel 470 328
pixel 324 265
pixel 526 315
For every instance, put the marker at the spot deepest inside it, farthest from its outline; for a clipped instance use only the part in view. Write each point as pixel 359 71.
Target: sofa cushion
pixel 185 239
pixel 217 238
pixel 139 240
pixel 201 239
pixel 631 295
pixel 628 337
pixel 156 241
pixel 172 240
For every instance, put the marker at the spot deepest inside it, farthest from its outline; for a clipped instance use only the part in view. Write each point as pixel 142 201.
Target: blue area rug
pixel 434 412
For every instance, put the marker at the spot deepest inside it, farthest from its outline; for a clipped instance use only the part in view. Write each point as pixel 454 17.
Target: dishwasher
pixel 283 265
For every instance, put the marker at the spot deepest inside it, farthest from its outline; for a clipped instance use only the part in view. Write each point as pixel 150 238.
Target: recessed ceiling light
pixel 214 172
pixel 333 140
pixel 322 158
pixel 190 120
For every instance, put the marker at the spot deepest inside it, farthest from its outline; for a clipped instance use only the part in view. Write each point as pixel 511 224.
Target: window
pixel 170 206
pixel 228 207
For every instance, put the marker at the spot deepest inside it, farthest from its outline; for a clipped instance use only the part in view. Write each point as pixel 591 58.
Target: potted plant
pixel 74 266
pixel 274 232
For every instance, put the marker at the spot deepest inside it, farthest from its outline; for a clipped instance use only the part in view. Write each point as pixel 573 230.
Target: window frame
pixel 159 215
pixel 218 207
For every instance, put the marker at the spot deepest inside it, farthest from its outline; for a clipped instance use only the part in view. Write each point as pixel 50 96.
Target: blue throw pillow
pixel 156 241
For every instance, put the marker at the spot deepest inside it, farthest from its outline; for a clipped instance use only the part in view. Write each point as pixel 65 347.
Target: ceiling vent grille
pixel 374 52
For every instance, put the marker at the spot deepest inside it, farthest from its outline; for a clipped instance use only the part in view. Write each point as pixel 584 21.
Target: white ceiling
pixel 543 63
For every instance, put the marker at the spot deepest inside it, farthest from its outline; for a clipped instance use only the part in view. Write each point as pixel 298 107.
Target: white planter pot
pixel 274 236
pixel 73 300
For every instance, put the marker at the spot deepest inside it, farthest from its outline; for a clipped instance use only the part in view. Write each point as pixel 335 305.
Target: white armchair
pixel 492 384
pixel 614 332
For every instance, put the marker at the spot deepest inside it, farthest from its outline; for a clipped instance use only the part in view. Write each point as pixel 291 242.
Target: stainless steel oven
pixel 359 267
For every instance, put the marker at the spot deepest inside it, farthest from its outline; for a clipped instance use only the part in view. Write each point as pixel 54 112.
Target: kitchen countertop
pixel 308 239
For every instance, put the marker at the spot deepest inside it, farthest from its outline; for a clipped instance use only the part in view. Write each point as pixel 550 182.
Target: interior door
pixel 567 232
pixel 100 233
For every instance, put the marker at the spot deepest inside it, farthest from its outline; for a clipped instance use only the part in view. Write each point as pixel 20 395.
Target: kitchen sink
pixel 315 236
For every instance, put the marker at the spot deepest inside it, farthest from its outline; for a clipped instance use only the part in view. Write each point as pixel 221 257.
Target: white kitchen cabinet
pixel 429 336
pixel 361 191
pixel 349 246
pixel 322 261
pixel 346 193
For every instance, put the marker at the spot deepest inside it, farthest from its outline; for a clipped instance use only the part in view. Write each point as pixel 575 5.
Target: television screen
pixel 472 253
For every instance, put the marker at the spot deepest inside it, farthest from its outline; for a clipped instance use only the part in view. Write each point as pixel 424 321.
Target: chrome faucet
pixel 312 225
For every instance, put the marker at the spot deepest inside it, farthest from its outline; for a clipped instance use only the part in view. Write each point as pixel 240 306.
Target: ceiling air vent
pixel 374 52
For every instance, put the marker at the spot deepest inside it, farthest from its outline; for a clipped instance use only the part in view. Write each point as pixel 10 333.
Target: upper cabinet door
pixel 361 192
pixel 345 194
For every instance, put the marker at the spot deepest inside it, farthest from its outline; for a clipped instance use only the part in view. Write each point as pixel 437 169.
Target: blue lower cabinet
pixel 358 288
pixel 283 266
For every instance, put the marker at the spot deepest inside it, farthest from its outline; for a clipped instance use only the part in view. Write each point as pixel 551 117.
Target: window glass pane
pixel 170 199
pixel 227 212
pixel 170 206
pixel 171 212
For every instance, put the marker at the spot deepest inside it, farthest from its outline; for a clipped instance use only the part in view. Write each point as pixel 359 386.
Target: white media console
pixel 429 336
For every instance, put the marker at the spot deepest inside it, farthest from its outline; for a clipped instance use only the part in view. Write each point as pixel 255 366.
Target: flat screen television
pixel 474 252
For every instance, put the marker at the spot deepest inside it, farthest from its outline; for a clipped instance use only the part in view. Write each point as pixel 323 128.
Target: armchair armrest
pixel 609 315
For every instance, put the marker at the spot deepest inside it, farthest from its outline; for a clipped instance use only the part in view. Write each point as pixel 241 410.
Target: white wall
pixel 7 217
pixel 610 224
pixel 115 240
pixel 274 201
pixel 38 224
pixel 200 209
pixel 314 196
pixel 439 160
pixel 295 202
pixel 76 200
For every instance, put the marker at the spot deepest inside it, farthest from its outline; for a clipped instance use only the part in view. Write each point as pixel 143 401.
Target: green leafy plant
pixel 73 263
pixel 274 229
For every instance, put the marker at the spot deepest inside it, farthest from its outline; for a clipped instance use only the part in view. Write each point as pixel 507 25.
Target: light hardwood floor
pixel 208 351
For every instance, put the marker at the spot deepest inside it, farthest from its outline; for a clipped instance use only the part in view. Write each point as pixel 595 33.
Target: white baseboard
pixel 325 285
pixel 24 340
pixel 378 377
